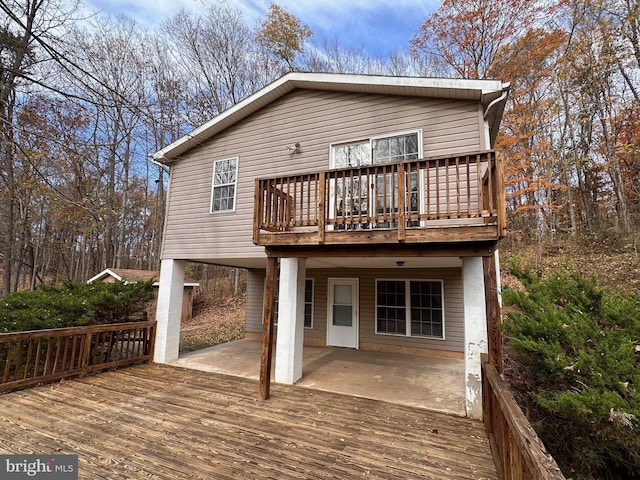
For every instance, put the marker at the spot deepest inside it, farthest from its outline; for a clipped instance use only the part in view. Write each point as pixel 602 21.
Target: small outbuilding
pixel 127 275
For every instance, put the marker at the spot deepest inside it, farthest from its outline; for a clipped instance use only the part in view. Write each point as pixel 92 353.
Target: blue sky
pixel 380 27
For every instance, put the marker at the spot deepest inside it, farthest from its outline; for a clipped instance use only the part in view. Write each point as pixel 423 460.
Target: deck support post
pixel 169 310
pixel 493 310
pixel 475 332
pixel 269 302
pixel 290 320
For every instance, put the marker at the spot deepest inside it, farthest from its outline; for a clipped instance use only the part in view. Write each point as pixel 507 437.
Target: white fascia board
pixel 484 91
pixel 103 274
pixel 226 118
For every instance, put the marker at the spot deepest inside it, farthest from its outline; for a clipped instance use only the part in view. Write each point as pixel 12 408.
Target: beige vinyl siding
pixel 453 305
pixel 315 119
pixel 253 311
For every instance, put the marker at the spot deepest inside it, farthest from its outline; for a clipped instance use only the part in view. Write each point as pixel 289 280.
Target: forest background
pixel 85 100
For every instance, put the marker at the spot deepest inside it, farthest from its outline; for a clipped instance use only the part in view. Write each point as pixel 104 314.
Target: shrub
pixel 72 305
pixel 574 356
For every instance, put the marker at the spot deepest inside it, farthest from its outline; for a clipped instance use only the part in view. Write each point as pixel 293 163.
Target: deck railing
pixel 40 356
pixel 518 452
pixel 462 190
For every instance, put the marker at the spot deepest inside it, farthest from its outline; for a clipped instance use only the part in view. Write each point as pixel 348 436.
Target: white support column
pixel 169 310
pixel 475 332
pixel 290 332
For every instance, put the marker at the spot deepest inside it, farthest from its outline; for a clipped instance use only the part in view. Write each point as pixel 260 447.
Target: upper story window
pixel 225 181
pixel 383 149
pixel 362 195
pixel 395 149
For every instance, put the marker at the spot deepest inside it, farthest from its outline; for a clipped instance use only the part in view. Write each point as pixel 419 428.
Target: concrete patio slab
pixel 427 382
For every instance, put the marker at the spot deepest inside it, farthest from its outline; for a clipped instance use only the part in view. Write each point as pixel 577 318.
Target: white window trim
pixel 313 295
pixel 371 139
pixel 213 186
pixel 332 149
pixel 408 307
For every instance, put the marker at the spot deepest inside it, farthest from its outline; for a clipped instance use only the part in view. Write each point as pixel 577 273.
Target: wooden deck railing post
pixel 500 196
pixel 492 310
pixel 86 351
pixel 258 208
pixel 321 211
pixel 402 203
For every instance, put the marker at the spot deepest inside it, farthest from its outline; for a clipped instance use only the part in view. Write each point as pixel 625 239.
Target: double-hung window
pixel 225 182
pixel 410 308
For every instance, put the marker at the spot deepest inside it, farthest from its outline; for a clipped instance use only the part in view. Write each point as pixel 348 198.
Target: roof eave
pixel 480 90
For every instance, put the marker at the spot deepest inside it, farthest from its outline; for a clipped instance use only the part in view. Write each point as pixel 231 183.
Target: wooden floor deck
pixel 161 422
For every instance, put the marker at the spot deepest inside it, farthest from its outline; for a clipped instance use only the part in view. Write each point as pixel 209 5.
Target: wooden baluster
pixel 7 365
pixel 402 202
pixel 321 210
pixel 447 187
pixel 458 201
pixel 468 175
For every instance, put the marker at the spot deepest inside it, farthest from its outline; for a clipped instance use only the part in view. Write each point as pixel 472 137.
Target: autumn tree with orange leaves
pixel 574 68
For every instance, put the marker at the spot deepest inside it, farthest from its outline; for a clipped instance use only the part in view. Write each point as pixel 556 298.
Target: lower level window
pixel 410 308
pixel 308 303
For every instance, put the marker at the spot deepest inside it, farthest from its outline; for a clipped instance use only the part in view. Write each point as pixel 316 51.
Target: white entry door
pixel 342 321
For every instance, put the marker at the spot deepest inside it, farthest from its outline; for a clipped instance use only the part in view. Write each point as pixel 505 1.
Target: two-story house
pixel 366 209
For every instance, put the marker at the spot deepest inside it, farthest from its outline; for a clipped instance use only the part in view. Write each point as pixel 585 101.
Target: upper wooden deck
pixel 455 199
pixel 156 421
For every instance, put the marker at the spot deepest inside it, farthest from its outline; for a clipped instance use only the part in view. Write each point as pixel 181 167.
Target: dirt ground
pixel 213 323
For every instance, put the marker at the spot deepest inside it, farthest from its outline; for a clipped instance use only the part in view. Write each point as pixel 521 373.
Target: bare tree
pixel 26 27
pixel 214 52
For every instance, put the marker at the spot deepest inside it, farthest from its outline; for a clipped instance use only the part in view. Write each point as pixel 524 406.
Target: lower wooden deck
pixel 162 422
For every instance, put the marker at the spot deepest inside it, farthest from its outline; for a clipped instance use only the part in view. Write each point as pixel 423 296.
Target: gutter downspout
pixel 493 103
pixel 164 167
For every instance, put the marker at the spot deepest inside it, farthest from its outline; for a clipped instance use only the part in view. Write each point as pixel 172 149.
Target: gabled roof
pixel 128 275
pixel 491 93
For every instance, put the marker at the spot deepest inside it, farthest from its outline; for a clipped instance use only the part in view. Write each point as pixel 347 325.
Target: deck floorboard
pixel 162 422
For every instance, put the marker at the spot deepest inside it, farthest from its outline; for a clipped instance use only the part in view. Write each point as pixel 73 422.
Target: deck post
pixel 475 332
pixel 290 321
pixel 493 311
pixel 169 310
pixel 267 327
